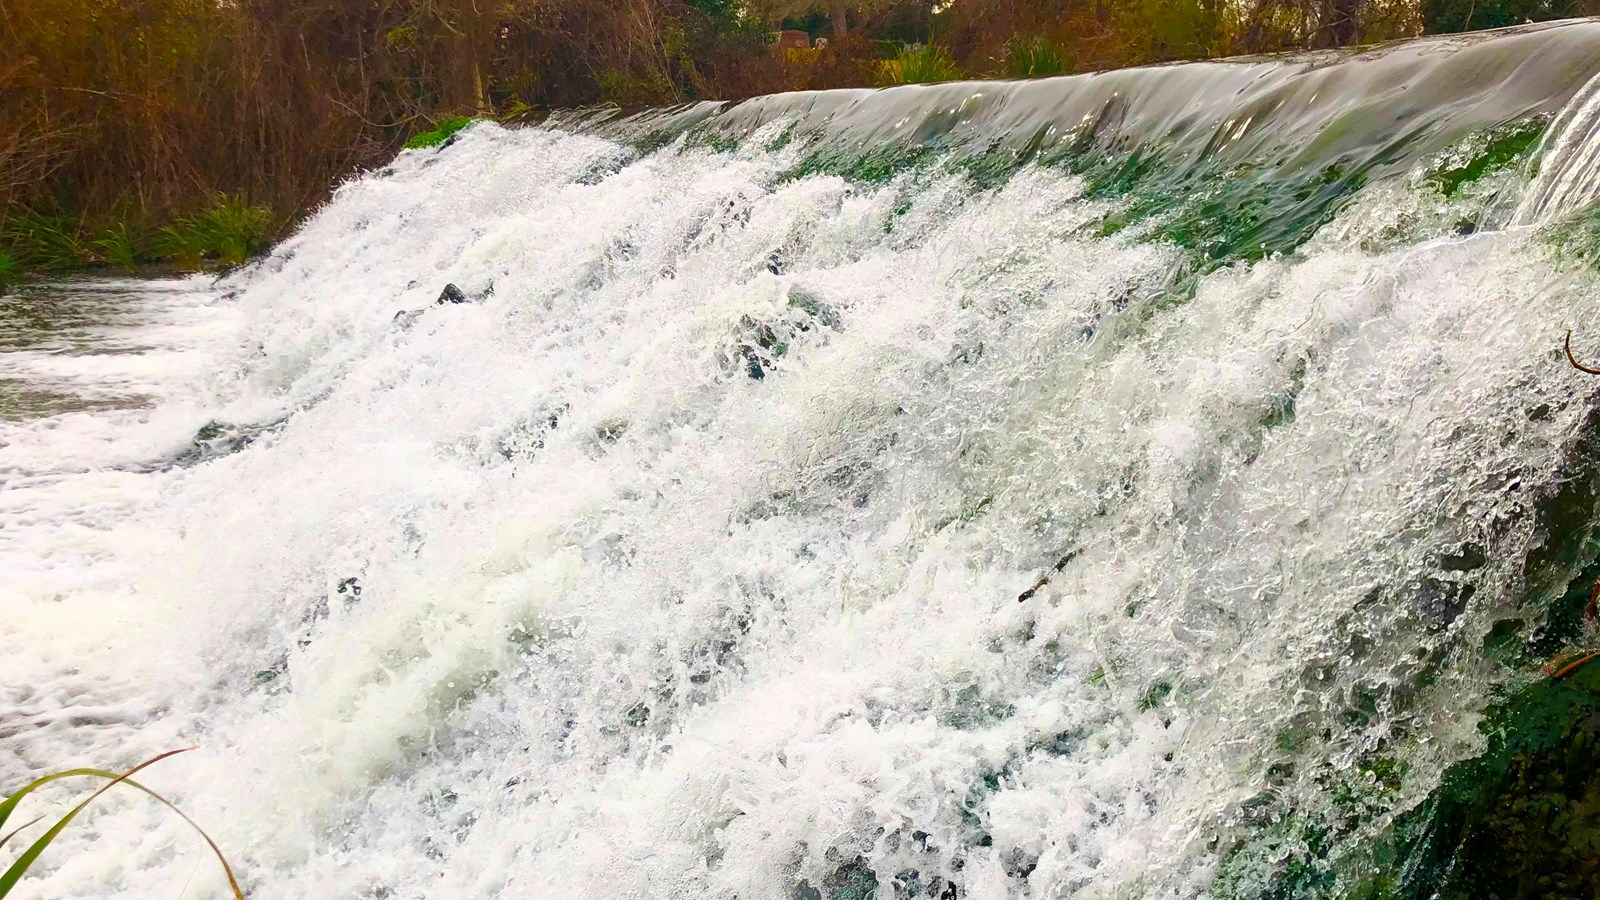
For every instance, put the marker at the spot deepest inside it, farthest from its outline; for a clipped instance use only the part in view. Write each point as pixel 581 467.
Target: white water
pixel 1569 175
pixel 632 623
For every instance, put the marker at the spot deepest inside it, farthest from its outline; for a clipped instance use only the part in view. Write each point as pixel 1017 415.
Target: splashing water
pixel 683 559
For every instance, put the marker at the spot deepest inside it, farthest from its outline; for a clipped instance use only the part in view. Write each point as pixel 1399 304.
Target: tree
pixel 1450 16
pixel 838 11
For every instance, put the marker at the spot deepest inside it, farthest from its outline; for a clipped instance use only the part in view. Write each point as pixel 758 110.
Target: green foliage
pixel 14 873
pixel 625 88
pixel 1037 56
pixel 403 37
pixel 1452 16
pixel 228 234
pixel 441 132
pixel 727 10
pixel 917 65
pixel 1173 29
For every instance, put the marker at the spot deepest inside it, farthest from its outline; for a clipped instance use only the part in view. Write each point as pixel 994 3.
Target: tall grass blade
pixel 18 869
pixel 20 829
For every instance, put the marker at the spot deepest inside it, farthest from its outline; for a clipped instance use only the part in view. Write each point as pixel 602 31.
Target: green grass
pixel 918 65
pixel 1036 57
pixel 442 131
pixel 39 242
pixel 18 869
pixel 228 233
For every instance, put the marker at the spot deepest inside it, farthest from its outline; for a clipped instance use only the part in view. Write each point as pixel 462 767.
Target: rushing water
pixel 797 510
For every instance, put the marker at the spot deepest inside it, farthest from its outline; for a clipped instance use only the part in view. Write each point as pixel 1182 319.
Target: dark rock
pixel 450 294
pixel 1442 602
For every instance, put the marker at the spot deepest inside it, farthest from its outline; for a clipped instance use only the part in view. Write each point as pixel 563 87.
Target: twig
pixel 1039 585
pixel 1574 360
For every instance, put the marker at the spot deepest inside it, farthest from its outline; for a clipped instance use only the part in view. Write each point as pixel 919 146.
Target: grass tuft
pixel 116 247
pixel 227 234
pixel 43 243
pixel 1037 57
pixel 918 65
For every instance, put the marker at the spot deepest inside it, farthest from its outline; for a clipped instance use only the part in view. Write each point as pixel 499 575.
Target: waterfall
pixel 1569 167
pixel 1102 486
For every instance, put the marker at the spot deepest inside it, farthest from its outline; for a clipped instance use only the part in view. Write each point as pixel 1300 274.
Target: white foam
pixel 633 622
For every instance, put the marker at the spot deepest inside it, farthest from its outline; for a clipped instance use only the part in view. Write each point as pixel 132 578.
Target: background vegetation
pixel 195 131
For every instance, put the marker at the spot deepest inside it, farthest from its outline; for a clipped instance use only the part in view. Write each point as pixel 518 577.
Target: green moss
pixel 1575 240
pixel 853 881
pixel 1522 820
pixel 1281 410
pixel 968 710
pixel 1486 154
pixel 1219 216
pixel 874 166
pixel 442 131
pixel 1154 695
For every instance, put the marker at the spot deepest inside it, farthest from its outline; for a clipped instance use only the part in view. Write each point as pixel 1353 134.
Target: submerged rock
pixel 217 439
pixel 1523 820
pixel 761 344
pixel 1520 821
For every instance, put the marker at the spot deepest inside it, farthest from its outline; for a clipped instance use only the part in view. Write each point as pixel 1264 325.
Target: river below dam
pixel 1165 483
